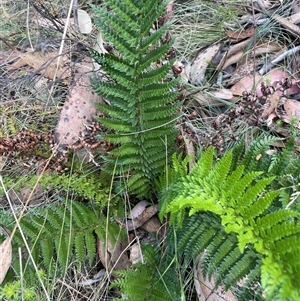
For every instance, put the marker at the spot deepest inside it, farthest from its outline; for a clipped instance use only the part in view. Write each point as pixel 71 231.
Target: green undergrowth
pixel 59 235
pixel 234 215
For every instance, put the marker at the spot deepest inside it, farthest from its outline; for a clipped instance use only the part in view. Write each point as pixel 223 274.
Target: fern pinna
pixel 248 208
pixel 142 113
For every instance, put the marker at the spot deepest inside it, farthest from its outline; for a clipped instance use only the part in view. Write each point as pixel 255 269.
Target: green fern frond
pixel 221 170
pixel 250 289
pixel 202 233
pixel 249 209
pixel 211 249
pixel 257 148
pixel 143 108
pixel 62 234
pixel 153 280
pixel 239 270
pixel 205 163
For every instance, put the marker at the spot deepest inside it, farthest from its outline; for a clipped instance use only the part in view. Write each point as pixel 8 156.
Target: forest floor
pixel 238 62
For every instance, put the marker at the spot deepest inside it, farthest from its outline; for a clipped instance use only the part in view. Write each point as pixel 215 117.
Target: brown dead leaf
pixel 252 83
pixel 6 57
pixel 267 47
pixel 233 59
pixel 287 24
pixel 153 225
pixel 22 197
pixel 295 17
pixel 248 83
pixel 113 256
pixel 79 110
pixel 135 253
pixel 240 56
pixel 291 112
pixel 204 99
pixel 266 4
pixel 271 105
pixel 201 62
pixel 190 148
pixel 45 64
pixel 5 257
pixel 138 209
pixel 271 119
pixel 236 48
pixel 240 35
pixel 142 218
pixel 222 93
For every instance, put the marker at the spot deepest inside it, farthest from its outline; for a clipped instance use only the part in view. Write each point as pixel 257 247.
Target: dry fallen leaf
pixel 113 256
pixel 84 22
pixel 79 110
pixel 45 64
pixel 291 112
pixel 153 225
pixel 20 198
pixel 240 35
pixel 5 257
pixel 222 93
pixel 272 104
pixel 138 209
pixel 190 148
pixel 253 83
pixel 287 24
pixel 201 62
pixel 135 253
pixel 140 220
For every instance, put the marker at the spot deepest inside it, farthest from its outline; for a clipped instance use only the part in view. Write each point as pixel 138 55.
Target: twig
pixel 265 68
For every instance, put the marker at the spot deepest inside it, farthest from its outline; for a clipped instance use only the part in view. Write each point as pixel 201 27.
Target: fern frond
pixel 257 147
pixel 260 205
pixel 246 210
pixel 239 270
pixel 153 280
pixel 143 107
pixel 211 249
pixel 250 289
pixel 62 234
pixel 220 171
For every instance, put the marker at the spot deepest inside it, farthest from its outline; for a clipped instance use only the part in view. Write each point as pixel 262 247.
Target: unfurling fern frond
pixel 142 115
pixel 248 209
pixel 61 234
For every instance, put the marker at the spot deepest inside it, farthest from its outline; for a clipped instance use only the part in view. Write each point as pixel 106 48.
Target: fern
pixel 83 186
pixel 283 165
pixel 249 210
pixel 62 233
pixel 203 233
pixel 142 115
pixel 153 280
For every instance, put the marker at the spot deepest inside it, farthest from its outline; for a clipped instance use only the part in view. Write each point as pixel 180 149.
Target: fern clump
pixel 249 209
pixel 142 115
